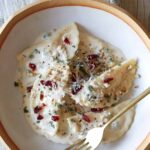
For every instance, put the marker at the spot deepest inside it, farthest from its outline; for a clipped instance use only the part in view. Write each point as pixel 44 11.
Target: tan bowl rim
pixel 44 4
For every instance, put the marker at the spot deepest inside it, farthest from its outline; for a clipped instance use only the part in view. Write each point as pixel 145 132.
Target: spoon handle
pixel 128 106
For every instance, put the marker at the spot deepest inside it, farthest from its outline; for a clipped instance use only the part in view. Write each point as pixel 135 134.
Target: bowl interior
pixel 100 23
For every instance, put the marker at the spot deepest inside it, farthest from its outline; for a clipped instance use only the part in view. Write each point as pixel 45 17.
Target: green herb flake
pixel 51 124
pixel 83 71
pixel 38 121
pixel 60 105
pixel 25 109
pixel 90 88
pixel 37 51
pixel 16 84
pixel 31 56
pixel 110 59
pixel 71 109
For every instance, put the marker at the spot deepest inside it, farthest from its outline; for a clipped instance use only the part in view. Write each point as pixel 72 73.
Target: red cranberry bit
pixel 86 118
pixel 32 66
pixel 92 56
pixel 55 118
pixel 48 83
pixel 37 109
pixel 76 89
pixel 29 88
pixel 42 82
pixel 73 77
pixel 92 66
pixel 41 96
pixel 66 41
pixel 51 84
pixel 107 80
pixel 40 117
pixel 96 109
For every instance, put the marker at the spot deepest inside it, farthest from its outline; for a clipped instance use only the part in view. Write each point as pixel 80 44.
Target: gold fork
pixel 92 141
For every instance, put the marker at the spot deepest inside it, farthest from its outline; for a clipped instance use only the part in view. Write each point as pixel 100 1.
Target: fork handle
pixel 131 104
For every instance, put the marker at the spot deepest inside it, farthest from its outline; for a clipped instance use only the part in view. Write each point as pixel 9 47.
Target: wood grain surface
pixel 138 8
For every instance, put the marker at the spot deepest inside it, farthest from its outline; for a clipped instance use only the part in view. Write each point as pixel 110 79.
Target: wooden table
pixel 140 9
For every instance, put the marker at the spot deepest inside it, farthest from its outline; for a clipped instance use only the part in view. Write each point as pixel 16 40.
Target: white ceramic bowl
pixel 100 19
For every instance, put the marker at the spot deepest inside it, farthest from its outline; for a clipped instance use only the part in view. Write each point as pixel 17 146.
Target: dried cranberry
pixel 107 80
pixel 48 83
pixel 42 82
pixel 32 66
pixel 96 109
pixel 76 89
pixel 86 118
pixel 41 96
pixel 29 88
pixel 55 118
pixel 73 77
pixel 92 56
pixel 37 109
pixel 40 117
pixel 66 41
pixel 92 66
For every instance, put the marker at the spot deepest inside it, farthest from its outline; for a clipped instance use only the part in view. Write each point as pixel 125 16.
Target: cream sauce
pixel 51 71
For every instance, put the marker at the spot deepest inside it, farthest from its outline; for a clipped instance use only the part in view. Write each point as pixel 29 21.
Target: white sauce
pixel 50 111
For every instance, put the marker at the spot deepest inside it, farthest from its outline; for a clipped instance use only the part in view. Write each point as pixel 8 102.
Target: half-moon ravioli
pixel 108 88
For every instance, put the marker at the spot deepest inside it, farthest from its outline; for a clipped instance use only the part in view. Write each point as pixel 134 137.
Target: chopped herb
pixel 70 109
pixel 90 88
pixel 25 109
pixel 24 95
pixel 24 56
pixel 58 59
pixel 37 51
pixel 16 84
pixel 72 120
pixel 73 46
pixel 139 76
pixel 119 64
pixel 40 76
pixel 64 133
pixel 60 105
pixel 83 71
pixel 45 36
pixel 29 71
pixel 136 86
pixel 106 96
pixel 51 124
pixel 106 49
pixel 55 112
pixel 38 121
pixel 110 59
pixel 31 56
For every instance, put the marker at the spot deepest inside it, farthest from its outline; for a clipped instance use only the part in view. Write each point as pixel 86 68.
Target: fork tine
pixel 83 145
pixel 88 148
pixel 79 142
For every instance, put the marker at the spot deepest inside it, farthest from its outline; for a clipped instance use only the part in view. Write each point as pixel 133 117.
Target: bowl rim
pixel 45 4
